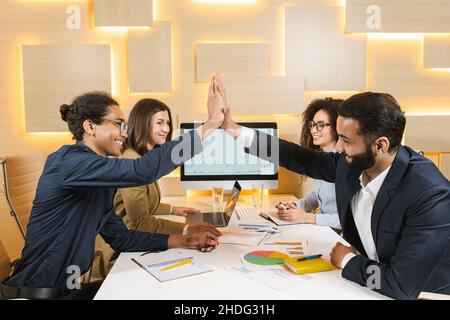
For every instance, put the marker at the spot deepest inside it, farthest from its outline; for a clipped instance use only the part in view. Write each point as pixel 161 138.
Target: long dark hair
pixel 139 123
pixel 329 105
pixel 89 106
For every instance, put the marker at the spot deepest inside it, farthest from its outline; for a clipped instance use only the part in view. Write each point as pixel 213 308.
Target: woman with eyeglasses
pixel 318 133
pixel 149 127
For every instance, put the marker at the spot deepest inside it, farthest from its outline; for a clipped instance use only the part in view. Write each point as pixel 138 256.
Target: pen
pixel 265 216
pixel 309 257
pixel 251 225
pixel 283 243
pixel 182 263
pixel 149 252
pixel 288 242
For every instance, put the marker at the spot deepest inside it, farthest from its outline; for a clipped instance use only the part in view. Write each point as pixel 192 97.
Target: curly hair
pixel 89 106
pixel 329 105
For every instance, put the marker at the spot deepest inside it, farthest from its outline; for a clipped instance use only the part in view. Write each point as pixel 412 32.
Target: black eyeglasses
pixel 319 125
pixel 123 125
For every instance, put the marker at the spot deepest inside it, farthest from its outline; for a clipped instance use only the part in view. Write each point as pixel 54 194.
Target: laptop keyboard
pixel 247 213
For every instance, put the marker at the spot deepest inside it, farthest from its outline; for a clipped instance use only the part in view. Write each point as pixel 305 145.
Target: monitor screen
pixel 224 159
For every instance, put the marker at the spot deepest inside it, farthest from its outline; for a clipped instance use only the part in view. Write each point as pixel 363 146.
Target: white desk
pixel 128 281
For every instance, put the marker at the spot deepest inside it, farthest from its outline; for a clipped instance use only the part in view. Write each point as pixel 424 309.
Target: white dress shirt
pixel 361 203
pixel 362 206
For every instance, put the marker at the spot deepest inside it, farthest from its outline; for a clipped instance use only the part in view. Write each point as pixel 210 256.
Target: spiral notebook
pixel 172 269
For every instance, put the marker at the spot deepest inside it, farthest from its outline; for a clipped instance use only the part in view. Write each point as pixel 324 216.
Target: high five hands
pixel 217 100
pixel 217 105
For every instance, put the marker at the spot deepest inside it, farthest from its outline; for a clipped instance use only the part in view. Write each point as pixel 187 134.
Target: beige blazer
pixel 137 207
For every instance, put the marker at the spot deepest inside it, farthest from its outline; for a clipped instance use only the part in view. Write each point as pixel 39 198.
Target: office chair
pixel 20 175
pixel 5 263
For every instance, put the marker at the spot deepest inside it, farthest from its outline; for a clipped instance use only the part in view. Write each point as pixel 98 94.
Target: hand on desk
pixel 184 211
pixel 201 228
pixel 296 215
pixel 338 253
pixel 202 236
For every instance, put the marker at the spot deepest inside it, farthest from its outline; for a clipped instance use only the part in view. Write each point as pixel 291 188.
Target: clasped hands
pixel 219 112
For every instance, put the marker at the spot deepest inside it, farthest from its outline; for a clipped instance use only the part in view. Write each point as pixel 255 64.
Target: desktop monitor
pixel 224 160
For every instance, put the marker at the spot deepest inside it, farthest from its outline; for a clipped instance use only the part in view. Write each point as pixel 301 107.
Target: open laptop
pixel 218 219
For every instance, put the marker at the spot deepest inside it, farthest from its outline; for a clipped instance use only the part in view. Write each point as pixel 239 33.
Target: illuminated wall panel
pixel 265 95
pixel 54 75
pixel 436 51
pixel 445 165
pixel 318 49
pixel 398 16
pixel 396 67
pixel 150 59
pixel 231 58
pixel 428 133
pixel 123 13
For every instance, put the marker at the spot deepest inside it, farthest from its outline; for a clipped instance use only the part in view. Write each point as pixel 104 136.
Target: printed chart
pixel 265 258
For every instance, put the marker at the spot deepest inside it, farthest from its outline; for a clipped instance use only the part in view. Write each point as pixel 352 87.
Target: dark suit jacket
pixel 410 218
pixel 74 203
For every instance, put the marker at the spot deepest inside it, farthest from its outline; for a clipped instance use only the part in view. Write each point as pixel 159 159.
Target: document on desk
pixel 268 257
pixel 276 279
pixel 271 216
pixel 242 237
pixel 170 267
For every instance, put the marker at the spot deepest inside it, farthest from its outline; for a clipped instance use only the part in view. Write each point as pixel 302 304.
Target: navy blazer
pixel 74 203
pixel 410 217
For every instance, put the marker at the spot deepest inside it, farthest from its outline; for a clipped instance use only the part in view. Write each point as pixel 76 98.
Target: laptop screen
pixel 233 199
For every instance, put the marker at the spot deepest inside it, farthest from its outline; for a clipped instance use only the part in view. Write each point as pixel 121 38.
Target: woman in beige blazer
pixel 149 126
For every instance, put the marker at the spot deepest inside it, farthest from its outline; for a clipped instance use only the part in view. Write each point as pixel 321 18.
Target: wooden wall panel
pixel 231 58
pixel 265 94
pixel 433 156
pixel 396 67
pixel 150 59
pixel 428 133
pixel 54 75
pixel 399 16
pixel 123 13
pixel 445 165
pixel 436 51
pixel 318 49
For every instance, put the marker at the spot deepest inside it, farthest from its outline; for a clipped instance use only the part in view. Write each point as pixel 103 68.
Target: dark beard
pixel 362 161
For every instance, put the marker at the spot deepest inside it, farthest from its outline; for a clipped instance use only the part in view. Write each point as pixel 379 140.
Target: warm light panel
pixel 419 16
pixel 396 67
pixel 226 1
pixel 231 58
pixel 54 75
pixel 318 49
pixel 150 59
pixel 123 13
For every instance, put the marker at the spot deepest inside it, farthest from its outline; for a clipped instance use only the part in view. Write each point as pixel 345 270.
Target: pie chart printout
pixel 265 258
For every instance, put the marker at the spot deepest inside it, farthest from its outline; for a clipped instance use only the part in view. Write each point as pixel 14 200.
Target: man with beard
pixel 393 204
